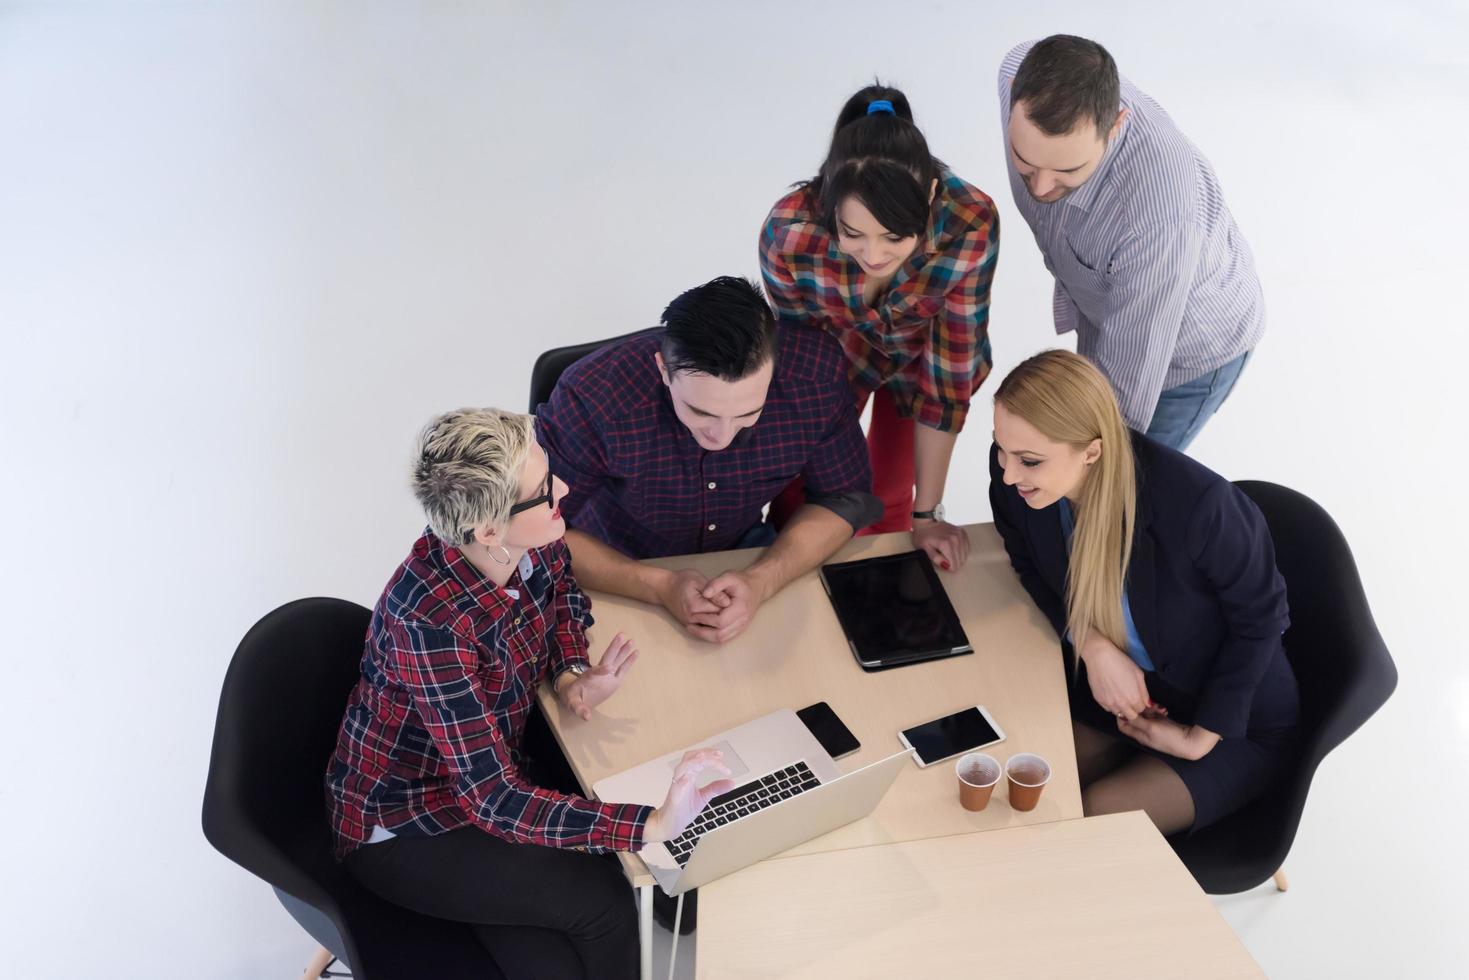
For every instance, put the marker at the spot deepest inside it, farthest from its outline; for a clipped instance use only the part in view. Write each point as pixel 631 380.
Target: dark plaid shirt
pixel 431 738
pixel 640 482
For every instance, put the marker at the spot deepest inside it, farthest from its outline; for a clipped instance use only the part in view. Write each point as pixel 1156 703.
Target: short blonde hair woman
pixel 1161 575
pixel 432 793
pixel 466 471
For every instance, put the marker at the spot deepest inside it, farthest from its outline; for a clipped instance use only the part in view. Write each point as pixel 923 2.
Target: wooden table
pixel 683 690
pixel 1098 898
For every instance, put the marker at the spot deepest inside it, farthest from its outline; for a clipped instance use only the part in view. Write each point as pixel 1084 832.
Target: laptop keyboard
pixel 741 802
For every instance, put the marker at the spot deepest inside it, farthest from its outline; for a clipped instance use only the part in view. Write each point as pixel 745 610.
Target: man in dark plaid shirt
pixel 673 441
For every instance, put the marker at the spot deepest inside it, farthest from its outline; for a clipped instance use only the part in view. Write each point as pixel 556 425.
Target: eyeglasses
pixel 548 498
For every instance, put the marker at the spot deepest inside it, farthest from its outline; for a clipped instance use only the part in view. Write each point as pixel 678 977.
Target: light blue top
pixel 1135 648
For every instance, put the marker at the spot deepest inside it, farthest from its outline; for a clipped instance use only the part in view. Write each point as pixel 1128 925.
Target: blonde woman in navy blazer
pixel 1162 576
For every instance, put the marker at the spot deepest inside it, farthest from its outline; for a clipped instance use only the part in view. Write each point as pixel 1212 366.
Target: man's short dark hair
pixel 723 328
pixel 1065 81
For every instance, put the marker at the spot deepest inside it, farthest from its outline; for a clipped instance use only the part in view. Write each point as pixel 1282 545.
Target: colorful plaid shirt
pixel 927 338
pixel 430 741
pixel 637 479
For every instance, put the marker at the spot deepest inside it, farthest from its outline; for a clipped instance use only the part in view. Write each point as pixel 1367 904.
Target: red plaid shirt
pixel 927 338
pixel 431 738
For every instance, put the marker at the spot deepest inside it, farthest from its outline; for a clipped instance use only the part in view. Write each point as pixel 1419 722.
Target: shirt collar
pixel 464 588
pixel 1085 195
pixel 937 216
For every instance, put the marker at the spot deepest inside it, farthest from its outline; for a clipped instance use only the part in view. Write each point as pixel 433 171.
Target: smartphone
pixel 944 738
pixel 834 736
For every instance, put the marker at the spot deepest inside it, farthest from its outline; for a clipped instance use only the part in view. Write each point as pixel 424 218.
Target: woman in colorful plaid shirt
pixel 428 789
pixel 893 254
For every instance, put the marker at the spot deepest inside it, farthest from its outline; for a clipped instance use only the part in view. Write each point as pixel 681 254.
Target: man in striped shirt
pixel 1151 271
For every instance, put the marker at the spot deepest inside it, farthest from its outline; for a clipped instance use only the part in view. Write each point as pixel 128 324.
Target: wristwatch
pixel 575 670
pixel 937 514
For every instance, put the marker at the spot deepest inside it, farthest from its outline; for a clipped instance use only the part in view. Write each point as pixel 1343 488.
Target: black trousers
pixel 542 912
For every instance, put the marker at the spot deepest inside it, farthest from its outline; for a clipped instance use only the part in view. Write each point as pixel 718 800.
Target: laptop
pixel 788 790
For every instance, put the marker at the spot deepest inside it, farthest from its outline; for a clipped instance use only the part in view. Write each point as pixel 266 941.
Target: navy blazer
pixel 1206 597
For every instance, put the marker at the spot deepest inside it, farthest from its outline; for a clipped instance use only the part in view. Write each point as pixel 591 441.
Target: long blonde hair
pixel 1067 399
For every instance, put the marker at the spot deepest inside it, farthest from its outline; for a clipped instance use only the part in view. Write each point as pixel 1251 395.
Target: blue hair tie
pixel 880 105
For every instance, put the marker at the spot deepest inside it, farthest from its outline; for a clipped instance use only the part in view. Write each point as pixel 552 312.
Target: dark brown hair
pixel 880 158
pixel 1065 81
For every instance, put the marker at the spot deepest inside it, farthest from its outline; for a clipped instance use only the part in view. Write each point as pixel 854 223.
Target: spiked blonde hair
pixel 466 473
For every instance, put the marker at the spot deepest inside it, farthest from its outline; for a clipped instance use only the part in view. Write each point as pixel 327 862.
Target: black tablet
pixel 894 610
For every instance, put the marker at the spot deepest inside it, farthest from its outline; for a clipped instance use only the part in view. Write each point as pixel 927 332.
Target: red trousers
pixel 890 449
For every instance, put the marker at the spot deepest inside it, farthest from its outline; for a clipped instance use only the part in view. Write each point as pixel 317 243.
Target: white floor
pixel 247 249
pixel 683 966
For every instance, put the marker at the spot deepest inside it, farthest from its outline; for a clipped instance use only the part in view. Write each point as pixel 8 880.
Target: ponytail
pixel 880 157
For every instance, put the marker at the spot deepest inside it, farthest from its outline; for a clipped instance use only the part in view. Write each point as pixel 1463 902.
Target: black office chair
pixel 548 367
pixel 1344 672
pixel 265 809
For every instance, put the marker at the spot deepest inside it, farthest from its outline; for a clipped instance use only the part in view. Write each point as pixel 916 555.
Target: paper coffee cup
pixel 978 773
pixel 1027 774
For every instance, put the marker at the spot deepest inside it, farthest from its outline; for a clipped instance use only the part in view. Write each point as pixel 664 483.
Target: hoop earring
pixel 491 552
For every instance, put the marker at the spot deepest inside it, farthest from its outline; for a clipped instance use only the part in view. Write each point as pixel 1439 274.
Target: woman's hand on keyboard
pixel 685 797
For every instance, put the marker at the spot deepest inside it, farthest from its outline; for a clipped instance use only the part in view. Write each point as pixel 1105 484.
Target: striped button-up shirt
pixel 430 741
pixel 927 338
pixel 1151 271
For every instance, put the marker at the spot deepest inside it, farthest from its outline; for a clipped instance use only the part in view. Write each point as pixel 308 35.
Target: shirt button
pixel 518 619
pixel 712 484
pixel 713 526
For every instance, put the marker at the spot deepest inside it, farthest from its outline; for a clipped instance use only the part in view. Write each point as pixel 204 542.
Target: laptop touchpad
pixel 732 759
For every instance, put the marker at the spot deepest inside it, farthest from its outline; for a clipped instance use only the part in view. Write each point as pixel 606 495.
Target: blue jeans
pixel 1182 411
